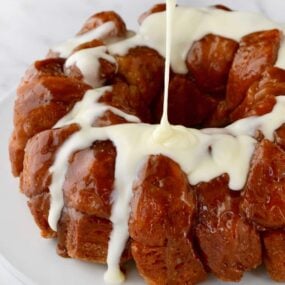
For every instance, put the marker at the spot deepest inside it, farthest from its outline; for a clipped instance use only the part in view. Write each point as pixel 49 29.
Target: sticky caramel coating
pixel 85 237
pixel 263 200
pixel 39 206
pixel 99 19
pixel 35 178
pixel 155 9
pixel 163 208
pixel 44 96
pixel 89 188
pixel 142 68
pixel 230 246
pixel 209 62
pixel 128 99
pixel 274 248
pixel 256 52
pixel 261 95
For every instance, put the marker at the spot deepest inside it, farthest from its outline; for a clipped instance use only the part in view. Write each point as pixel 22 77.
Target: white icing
pixel 281 55
pixel 230 153
pixel 202 154
pixel 66 48
pixel 84 113
pixel 87 61
pixel 170 8
pixel 190 25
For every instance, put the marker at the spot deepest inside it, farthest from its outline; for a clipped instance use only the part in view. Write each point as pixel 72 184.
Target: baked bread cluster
pixel 172 240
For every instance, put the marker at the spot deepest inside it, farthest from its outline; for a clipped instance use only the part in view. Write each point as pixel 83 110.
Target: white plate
pixel 33 260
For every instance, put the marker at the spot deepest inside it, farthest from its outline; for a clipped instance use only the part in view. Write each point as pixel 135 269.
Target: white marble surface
pixel 29 27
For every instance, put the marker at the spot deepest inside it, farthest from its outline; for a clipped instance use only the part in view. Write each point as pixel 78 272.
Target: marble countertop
pixel 29 27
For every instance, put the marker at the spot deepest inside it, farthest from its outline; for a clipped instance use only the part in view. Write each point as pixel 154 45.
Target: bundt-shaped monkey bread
pixel 178 231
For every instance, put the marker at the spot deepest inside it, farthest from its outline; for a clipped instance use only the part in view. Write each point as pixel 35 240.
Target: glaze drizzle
pixel 202 154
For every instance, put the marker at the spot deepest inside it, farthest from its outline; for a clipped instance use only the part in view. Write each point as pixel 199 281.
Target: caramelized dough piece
pixel 39 207
pixel 260 98
pixel 35 178
pixel 161 218
pixel 107 69
pixel 274 247
pixel 209 61
pixel 39 105
pixel 264 195
pixel 161 7
pixel 256 52
pixel 89 180
pixel 92 197
pixel 129 99
pixel 39 156
pixel 142 68
pixel 187 105
pixel 45 67
pixel 175 263
pixel 229 244
pixel 85 237
pixel 103 17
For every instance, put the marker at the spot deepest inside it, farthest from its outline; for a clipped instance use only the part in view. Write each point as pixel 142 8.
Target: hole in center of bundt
pixel 196 98
pixel 188 105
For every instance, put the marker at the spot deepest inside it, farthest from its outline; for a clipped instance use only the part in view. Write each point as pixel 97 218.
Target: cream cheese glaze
pixel 66 48
pixel 90 68
pixel 152 33
pixel 202 154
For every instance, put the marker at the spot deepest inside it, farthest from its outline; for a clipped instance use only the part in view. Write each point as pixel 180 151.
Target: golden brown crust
pixel 43 98
pixel 260 98
pixel 88 189
pixel 155 9
pixel 274 245
pixel 230 245
pixel 163 208
pixel 142 68
pixel 256 52
pixel 85 237
pixel 39 157
pixel 39 207
pixel 209 61
pixel 103 17
pixel 263 199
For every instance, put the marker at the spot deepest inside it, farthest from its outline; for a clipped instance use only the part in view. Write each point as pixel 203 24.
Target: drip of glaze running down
pixel 232 147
